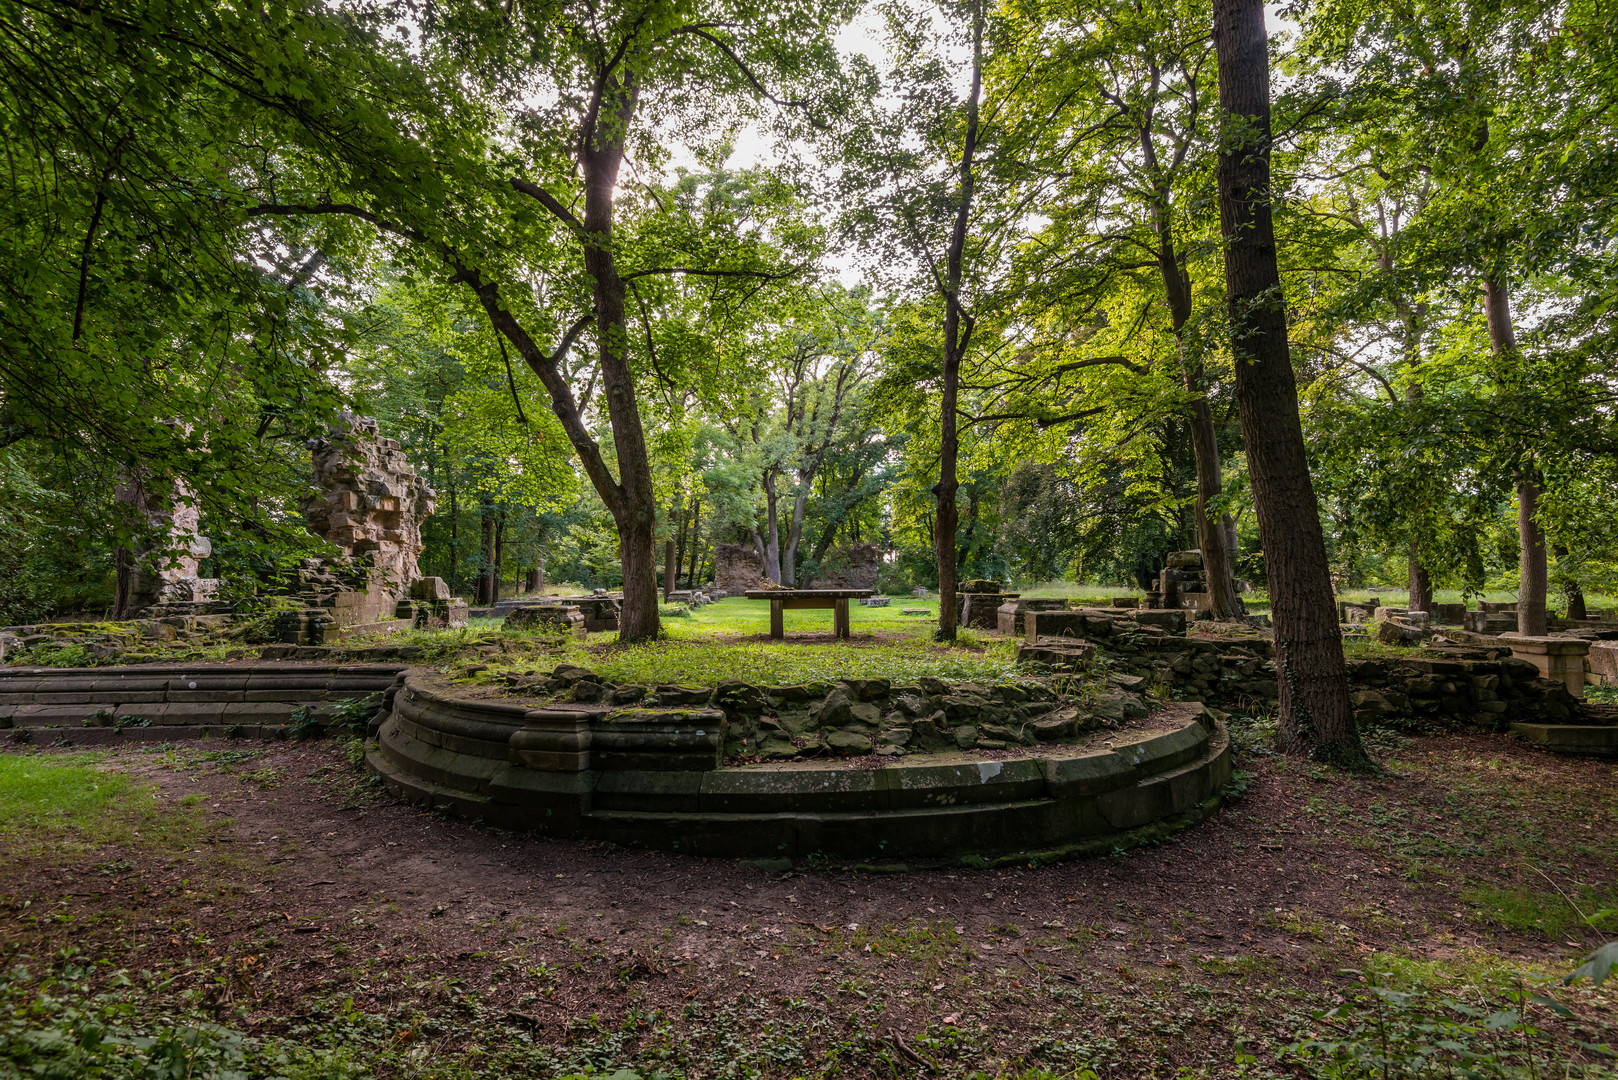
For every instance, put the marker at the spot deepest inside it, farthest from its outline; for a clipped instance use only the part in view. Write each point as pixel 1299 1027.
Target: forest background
pixel 521 236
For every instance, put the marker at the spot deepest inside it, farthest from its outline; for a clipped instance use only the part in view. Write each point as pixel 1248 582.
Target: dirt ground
pixel 1206 953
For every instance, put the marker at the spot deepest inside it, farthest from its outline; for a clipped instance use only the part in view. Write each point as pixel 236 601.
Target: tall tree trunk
pixel 454 536
pixel 1534 586
pixel 499 556
pixel 679 545
pixel 1572 592
pixel 1532 617
pixel 957 336
pixel 772 524
pixel 485 553
pixel 123 561
pixel 1211 539
pixel 1315 713
pixel 696 537
pixel 1421 585
pixel 668 569
pixel 789 558
pixel 636 512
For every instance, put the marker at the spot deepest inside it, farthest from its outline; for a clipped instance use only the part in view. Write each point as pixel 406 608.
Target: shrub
pixel 892 580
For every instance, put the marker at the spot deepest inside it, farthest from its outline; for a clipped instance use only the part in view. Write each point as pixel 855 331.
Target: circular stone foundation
pixel 654 778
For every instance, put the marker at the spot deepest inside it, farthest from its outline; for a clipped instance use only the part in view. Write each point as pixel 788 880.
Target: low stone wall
pixel 652 776
pixel 82 706
pixel 1485 687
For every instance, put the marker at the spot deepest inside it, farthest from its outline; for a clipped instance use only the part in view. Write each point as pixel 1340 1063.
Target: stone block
pixel 1394 632
pixel 1011 616
pixel 1488 622
pixel 1603 661
pixel 1560 660
pixel 557 619
pixel 430 588
pixel 1447 614
pixel 1073 624
pixel 657 740
pixel 1170 622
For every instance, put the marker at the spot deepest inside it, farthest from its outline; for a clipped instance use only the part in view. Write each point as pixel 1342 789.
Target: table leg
pixel 777 621
pixel 839 619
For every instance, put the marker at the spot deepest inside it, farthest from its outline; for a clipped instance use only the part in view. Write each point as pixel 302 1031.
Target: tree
pixel 913 175
pixel 145 338
pixel 1315 714
pixel 1121 93
pixel 542 205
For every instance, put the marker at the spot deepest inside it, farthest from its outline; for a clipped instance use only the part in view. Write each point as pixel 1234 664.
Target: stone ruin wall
pixel 370 503
pixel 855 568
pixel 163 579
pixel 737 567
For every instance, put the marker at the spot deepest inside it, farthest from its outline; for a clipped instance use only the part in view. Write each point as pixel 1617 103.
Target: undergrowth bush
pixel 1384 1034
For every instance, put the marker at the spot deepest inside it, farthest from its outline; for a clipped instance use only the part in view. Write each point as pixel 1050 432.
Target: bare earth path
pixel 311 886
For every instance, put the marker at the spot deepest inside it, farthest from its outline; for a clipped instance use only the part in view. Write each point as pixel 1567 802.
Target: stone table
pixel 783 599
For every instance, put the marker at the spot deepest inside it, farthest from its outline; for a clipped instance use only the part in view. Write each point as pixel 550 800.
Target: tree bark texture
pixel 957 336
pixel 485 554
pixel 1314 710
pixel 772 525
pixel 1421 585
pixel 696 538
pixel 1532 618
pixel 668 569
pixel 1211 536
pixel 1533 569
pixel 499 556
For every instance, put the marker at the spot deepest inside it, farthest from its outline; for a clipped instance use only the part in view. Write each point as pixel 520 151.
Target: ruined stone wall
pixel 737 566
pixel 1486 687
pixel 370 502
pixel 164 576
pixel 852 567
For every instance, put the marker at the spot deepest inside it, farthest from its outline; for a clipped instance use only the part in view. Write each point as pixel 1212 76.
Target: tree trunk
pixel 480 591
pixel 1531 593
pixel 499 556
pixel 679 546
pixel 668 569
pixel 772 524
pixel 124 567
pixel 1575 601
pixel 1216 557
pixel 696 538
pixel 454 536
pixel 1421 586
pixel 789 558
pixel 1532 618
pixel 1314 710
pixel 1211 538
pixel 957 336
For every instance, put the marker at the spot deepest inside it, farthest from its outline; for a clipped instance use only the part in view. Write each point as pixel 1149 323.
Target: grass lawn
pixel 730 640
pixel 264 911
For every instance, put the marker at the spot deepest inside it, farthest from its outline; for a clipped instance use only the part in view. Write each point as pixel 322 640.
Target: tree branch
pixel 697 31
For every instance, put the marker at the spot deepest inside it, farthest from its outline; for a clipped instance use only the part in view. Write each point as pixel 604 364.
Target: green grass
pixel 50 792
pixel 1547 912
pixel 67 801
pixel 709 647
